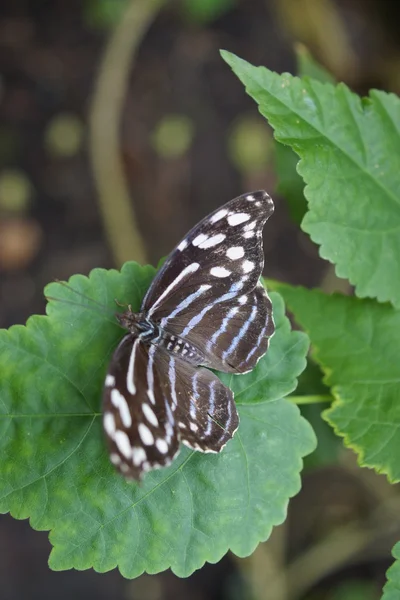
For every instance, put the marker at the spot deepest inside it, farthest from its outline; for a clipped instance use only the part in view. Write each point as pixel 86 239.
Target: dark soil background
pixel 51 227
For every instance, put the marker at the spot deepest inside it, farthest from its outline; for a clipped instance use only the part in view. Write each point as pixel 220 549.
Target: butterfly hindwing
pixel 233 335
pixel 205 413
pixel 166 401
pixel 138 420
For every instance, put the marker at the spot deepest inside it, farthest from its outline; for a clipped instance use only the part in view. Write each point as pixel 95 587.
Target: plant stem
pixel 313 399
pixel 116 207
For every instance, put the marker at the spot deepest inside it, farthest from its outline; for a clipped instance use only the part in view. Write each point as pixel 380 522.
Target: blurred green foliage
pixel 15 191
pixel 307 66
pixel 173 136
pixel 354 589
pixel 250 144
pixel 206 11
pixel 103 14
pixel 64 135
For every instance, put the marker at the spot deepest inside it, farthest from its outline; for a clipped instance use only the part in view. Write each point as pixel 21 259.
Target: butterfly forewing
pixel 219 259
pixel 205 307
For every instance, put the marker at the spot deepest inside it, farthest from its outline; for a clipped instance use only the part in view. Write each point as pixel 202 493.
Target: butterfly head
pixel 138 324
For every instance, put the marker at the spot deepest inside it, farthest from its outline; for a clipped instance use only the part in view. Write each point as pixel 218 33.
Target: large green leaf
pixel 55 469
pixel 356 343
pixel 290 184
pixel 391 591
pixel 350 160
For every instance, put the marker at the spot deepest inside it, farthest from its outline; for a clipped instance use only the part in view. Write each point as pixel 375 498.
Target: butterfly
pixel 205 309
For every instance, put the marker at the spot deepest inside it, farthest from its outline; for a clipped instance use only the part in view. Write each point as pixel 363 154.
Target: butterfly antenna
pixel 80 294
pixel 99 308
pixel 93 308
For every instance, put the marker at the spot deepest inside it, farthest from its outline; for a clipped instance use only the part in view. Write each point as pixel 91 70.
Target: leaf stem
pixel 312 399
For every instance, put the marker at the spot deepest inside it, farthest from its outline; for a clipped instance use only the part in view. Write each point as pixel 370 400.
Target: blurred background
pixel 120 128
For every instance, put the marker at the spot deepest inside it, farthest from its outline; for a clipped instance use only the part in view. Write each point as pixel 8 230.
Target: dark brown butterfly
pixel 205 308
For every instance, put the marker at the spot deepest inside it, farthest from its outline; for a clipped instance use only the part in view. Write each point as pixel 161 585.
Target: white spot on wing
pixel 150 375
pixel 109 424
pixel 150 395
pixel 123 443
pixel 242 300
pixel 237 218
pixel 121 404
pixel 162 446
pixel 235 252
pixel 219 272
pixel 115 458
pixel 130 378
pixel 231 293
pixel 211 409
pixel 145 435
pixel 199 239
pixel 183 306
pixel 168 430
pixel 212 241
pixel 223 328
pixel 149 414
pixel 248 234
pixel 171 375
pixel 218 215
pixel 183 245
pixel 193 427
pixel 247 266
pixel 110 381
pixel 138 456
pixel 257 344
pixel 186 271
pixel 250 226
pixel 241 333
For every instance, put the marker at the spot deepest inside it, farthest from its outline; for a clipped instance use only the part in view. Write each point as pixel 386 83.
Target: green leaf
pixel 350 160
pixel 55 469
pixel 356 343
pixel 391 591
pixel 290 183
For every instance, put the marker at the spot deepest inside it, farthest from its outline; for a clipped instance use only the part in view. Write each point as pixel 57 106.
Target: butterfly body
pixel 205 308
pixel 139 325
pixel 152 333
